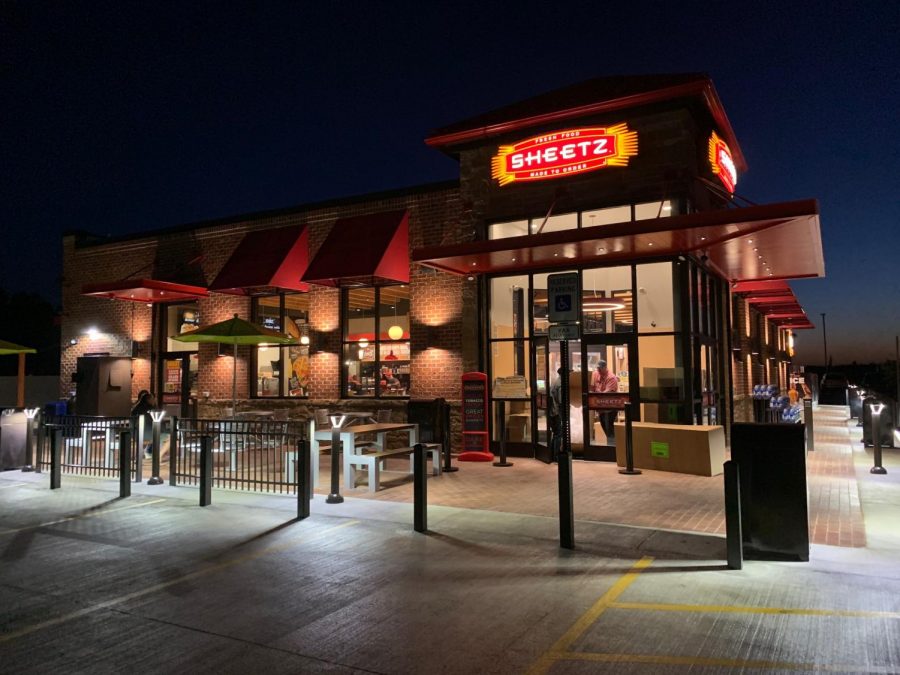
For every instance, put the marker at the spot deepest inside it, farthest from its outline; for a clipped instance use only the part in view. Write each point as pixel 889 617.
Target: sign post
pixel 564 298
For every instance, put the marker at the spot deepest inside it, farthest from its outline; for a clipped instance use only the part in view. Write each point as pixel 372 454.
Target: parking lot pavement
pixel 154 583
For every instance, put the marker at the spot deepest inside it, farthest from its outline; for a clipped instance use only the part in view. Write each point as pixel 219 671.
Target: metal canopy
pixel 266 262
pixel 755 243
pixel 144 290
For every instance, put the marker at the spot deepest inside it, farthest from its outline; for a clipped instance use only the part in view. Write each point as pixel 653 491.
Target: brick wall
pixel 437 301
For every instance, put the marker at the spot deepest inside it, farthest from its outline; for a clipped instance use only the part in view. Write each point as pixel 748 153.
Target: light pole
pixel 876 438
pixel 156 416
pixel 337 421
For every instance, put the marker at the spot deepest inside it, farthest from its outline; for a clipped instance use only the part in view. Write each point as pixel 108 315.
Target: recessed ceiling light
pixel 556 255
pixel 702 238
pixel 749 241
pixel 650 243
pixel 514 260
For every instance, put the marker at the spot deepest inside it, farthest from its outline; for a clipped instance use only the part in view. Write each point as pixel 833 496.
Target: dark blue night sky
pixel 120 117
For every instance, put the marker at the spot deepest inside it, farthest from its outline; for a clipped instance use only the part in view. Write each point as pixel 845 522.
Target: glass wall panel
pixel 564 221
pixel 361 370
pixel 607 301
pixel 662 384
pixel 283 371
pixel 180 319
pixel 653 210
pixel 539 299
pixel 510 357
pixel 656 306
pixel 509 307
pixel 393 310
pixel 515 228
pixel 360 317
pixel 268 312
pixel 616 214
pixel 394 373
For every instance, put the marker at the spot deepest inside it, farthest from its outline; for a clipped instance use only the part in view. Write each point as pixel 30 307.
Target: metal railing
pixel 87 446
pixel 255 455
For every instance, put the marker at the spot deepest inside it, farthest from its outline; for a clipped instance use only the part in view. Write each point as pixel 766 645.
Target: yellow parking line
pixel 558 650
pixel 739 609
pixel 722 663
pixel 82 515
pixel 158 587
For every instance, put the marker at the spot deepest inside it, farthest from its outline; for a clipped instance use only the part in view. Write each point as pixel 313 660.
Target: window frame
pixel 253 371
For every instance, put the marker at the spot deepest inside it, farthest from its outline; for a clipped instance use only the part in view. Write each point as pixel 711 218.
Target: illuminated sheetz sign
pixel 563 153
pixel 721 162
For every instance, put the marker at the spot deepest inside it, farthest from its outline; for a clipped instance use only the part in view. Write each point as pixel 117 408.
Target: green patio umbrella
pixel 12 348
pixel 234 332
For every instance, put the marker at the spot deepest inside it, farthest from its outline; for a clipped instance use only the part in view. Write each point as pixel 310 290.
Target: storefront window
pixel 655 298
pixel 564 221
pixel 516 228
pixel 376 341
pixel 181 318
pixel 283 371
pixel 662 385
pixel 607 300
pixel 616 214
pixel 509 307
pixel 653 210
pixel 510 358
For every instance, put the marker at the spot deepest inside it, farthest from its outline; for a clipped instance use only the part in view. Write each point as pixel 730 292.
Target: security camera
pixel 704 258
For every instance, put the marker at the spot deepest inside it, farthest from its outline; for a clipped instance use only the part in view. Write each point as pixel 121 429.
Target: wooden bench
pixel 374 462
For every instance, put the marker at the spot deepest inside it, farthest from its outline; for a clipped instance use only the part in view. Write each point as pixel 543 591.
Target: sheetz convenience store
pixel 631 184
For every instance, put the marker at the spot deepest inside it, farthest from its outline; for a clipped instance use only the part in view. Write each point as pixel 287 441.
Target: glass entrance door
pixel 542 381
pixel 607 384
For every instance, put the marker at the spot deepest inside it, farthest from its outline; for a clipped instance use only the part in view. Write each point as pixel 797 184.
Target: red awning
pixel 776 301
pixel 368 250
pixel 775 241
pixel 144 290
pixel 266 262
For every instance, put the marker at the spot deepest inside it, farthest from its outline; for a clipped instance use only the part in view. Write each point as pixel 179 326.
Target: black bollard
pixel 206 470
pixel 733 533
pixel 155 451
pixel 564 457
pixel 876 438
pixel 173 451
pixel 335 496
pixel 501 424
pixel 56 442
pixel 304 479
pixel 445 440
pixel 420 490
pixel 125 464
pixel 629 469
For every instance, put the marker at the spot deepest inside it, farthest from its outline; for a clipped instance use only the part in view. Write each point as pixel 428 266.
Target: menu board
pixel 474 403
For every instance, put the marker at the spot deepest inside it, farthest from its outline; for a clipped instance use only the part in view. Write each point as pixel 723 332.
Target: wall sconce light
pixel 304 340
pixel 73 342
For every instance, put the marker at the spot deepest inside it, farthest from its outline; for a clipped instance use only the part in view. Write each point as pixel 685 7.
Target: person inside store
pixel 144 404
pixel 388 379
pixel 354 386
pixel 554 415
pixel 605 382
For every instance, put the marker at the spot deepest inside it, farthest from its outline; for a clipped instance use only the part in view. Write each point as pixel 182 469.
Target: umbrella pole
pixel 20 391
pixel 234 382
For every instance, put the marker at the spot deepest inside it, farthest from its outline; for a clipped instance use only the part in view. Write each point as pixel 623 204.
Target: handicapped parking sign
pixel 564 294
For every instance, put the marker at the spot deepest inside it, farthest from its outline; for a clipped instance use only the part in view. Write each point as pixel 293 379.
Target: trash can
pixel 12 439
pixel 771 459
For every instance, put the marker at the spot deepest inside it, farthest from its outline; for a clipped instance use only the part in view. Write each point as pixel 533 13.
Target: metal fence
pixel 257 455
pixel 87 446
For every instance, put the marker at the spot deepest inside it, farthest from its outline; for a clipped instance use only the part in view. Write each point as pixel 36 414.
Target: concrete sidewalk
pixel 154 583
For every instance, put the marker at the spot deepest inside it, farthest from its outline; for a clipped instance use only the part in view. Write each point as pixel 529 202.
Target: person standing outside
pixel 554 415
pixel 605 382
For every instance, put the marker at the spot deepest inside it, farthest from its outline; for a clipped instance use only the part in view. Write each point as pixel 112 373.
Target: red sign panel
pixel 721 162
pixel 564 153
pixel 604 401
